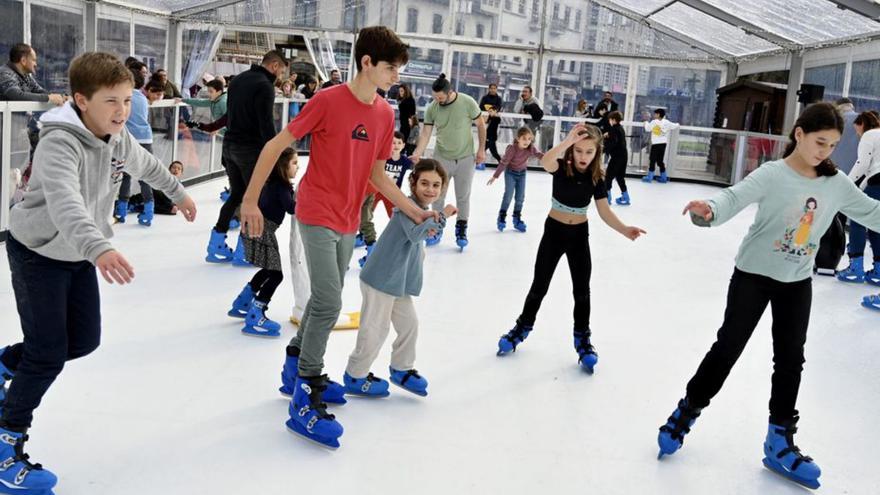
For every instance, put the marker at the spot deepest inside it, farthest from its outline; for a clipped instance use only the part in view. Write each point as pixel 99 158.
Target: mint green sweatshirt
pixel 794 212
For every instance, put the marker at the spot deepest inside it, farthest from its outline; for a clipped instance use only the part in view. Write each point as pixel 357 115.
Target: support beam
pixel 734 20
pixel 205 7
pixel 662 28
pixel 175 57
pixel 91 19
pixel 866 8
pixel 795 79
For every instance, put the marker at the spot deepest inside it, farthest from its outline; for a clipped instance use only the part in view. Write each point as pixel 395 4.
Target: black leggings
pixel 616 171
pixel 573 242
pixel 658 151
pixel 239 162
pixel 265 282
pixel 747 298
pixel 492 138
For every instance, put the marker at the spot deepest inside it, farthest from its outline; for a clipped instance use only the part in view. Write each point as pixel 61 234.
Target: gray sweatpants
pixel 327 256
pixel 378 312
pixel 462 172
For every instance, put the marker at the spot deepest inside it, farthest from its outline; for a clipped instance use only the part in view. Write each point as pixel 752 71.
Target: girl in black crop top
pixel 276 200
pixel 577 178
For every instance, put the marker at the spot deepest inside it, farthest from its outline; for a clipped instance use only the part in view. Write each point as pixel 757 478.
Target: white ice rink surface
pixel 177 401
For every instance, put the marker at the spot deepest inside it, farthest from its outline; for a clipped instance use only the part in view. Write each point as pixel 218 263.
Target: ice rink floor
pixel 178 401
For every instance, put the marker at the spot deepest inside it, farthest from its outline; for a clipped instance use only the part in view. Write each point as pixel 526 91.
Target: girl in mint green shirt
pixel 797 198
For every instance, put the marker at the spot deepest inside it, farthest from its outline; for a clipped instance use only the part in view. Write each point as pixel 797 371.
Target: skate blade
pixel 367 396
pixel 781 471
pixel 262 335
pixel 870 306
pixel 873 281
pixel 420 394
pixel 236 315
pixel 216 259
pixel 297 429
pixel 25 491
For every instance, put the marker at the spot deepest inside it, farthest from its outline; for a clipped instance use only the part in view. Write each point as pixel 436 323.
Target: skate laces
pixel 517 334
pixel 20 456
pixel 681 425
pixel 584 346
pixel 409 374
pixel 315 403
pixel 789 431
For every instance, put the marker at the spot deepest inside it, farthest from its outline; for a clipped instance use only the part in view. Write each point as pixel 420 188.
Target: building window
pixel 561 66
pixel 556 10
pixel 504 37
pixel 412 20
pixel 571 66
pixel 480 29
pixel 508 5
pixel 577 19
pixel 353 14
pixel 530 65
pixel 305 13
pixel 459 28
pixel 567 17
pixel 522 7
pixel 437 25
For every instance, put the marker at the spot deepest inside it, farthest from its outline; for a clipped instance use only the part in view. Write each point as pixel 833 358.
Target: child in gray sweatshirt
pixel 58 234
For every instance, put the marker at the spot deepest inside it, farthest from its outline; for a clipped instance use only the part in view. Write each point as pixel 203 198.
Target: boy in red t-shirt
pixel 351 131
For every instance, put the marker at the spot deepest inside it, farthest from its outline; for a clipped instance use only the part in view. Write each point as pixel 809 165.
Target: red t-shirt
pixel 348 137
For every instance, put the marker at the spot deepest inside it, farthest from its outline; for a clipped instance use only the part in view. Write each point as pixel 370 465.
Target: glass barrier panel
pixel 761 149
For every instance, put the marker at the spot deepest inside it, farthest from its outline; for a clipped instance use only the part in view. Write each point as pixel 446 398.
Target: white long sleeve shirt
pixel 660 129
pixel 868 162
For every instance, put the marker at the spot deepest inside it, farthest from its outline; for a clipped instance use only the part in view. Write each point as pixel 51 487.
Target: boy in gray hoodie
pixel 58 234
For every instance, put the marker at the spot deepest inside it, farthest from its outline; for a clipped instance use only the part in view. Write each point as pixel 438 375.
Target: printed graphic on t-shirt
pixel 360 133
pixel 116 169
pixel 393 170
pixel 657 130
pixel 796 241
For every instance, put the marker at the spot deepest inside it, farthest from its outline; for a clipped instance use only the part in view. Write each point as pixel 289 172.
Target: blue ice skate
pixel 234 224
pixel 369 386
pixel 239 258
pixel 623 200
pixel 873 276
pixel 146 217
pixel 587 355
pixel 782 456
pixel 409 380
pixel 17 474
pixel 854 273
pixel 663 179
pixel 677 426
pixel 334 394
pixel 224 195
pixel 6 374
pixel 648 178
pixel 256 322
pixel 481 166
pixel 608 197
pixel 218 251
pixel 872 302
pixel 518 224
pixel 308 413
pixel 242 303
pixel 359 240
pixel 461 234
pixel 120 211
pixel 502 221
pixel 363 260
pixel 513 338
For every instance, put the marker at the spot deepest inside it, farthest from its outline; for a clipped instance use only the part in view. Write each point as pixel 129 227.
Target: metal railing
pixel 716 156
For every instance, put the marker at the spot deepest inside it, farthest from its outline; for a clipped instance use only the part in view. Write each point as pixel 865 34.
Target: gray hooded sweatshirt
pixel 65 214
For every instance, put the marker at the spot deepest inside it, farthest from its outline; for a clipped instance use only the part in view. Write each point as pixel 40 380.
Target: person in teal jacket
pixel 216 101
pixel 798 198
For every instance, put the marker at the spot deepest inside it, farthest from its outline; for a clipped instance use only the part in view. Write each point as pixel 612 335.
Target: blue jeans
pixel 60 310
pixel 858 233
pixel 514 187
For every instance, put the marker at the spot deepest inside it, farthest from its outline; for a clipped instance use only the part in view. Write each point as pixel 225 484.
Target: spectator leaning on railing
pixel 17 81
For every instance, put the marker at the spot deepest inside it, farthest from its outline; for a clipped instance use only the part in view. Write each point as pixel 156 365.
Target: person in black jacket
pixel 406 106
pixel 249 126
pixel 615 146
pixel 492 104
